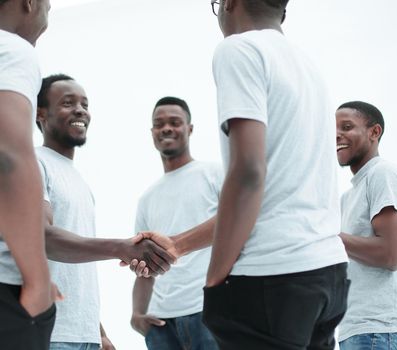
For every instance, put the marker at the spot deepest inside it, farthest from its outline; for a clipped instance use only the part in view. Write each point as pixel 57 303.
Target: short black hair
pixel 42 101
pixel 369 112
pixel 170 100
pixel 256 8
pixel 3 2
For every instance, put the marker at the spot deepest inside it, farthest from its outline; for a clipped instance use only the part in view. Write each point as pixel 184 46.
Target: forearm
pixel 65 246
pixel 371 251
pixel 196 238
pixel 141 295
pixel 22 220
pixel 238 210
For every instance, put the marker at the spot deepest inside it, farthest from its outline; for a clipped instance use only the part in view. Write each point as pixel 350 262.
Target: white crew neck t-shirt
pixel 20 73
pixel 260 76
pixel 180 200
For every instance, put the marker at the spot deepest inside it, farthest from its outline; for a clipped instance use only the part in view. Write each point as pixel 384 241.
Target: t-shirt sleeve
pixel 19 71
pixel 219 177
pixel 44 180
pixel 240 78
pixel 382 190
pixel 140 222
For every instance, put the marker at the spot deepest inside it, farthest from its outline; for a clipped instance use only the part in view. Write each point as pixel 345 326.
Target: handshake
pixel 148 253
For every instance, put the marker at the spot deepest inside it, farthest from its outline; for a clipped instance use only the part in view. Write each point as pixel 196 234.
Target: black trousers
pixel 286 312
pixel 18 330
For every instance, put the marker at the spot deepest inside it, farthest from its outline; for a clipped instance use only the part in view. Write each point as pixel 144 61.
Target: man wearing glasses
pixel 277 276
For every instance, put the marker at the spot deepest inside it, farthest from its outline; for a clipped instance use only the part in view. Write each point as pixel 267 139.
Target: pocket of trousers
pixel 216 301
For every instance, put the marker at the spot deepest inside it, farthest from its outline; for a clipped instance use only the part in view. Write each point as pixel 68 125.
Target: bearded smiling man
pixel 63 117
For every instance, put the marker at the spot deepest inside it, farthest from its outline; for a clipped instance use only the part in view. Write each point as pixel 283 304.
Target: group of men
pixel 276 275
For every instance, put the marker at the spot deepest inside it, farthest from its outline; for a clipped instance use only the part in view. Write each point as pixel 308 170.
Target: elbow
pixel 251 175
pixel 392 265
pixel 7 164
pixel 391 262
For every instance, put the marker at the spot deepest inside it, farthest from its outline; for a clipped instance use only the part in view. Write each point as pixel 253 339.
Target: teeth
pixel 79 124
pixel 339 147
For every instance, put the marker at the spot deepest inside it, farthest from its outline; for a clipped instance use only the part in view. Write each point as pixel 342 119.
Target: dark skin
pixel 20 184
pixel 170 132
pixel 243 188
pixel 357 144
pixel 64 123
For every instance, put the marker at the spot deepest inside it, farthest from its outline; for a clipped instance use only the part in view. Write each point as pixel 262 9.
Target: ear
pixel 229 5
pixel 41 115
pixel 190 129
pixel 375 132
pixel 28 5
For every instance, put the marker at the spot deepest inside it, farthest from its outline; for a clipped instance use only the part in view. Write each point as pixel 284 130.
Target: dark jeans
pixel 181 333
pixel 286 312
pixel 18 330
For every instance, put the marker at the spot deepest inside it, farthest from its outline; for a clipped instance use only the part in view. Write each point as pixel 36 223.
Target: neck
pixel 265 23
pixel 66 152
pixel 170 164
pixel 356 167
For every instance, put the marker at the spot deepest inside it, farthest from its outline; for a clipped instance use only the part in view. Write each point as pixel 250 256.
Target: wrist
pixel 38 280
pixel 180 248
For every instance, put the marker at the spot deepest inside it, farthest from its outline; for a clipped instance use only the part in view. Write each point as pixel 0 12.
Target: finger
pixel 56 295
pixel 137 238
pixel 155 321
pixel 157 259
pixel 146 234
pixel 163 254
pixel 146 272
pixel 123 263
pixel 140 268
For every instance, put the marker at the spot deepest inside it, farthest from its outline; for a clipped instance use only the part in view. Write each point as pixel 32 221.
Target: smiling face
pixel 171 131
pixel 66 119
pixel 356 142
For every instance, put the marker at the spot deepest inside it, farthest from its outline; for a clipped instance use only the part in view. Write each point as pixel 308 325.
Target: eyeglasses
pixel 215 7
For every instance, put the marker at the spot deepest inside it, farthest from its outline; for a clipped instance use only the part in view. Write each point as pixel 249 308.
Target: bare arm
pixel 379 250
pixel 141 296
pixel 196 238
pixel 65 246
pixel 21 198
pixel 241 196
pixel 106 343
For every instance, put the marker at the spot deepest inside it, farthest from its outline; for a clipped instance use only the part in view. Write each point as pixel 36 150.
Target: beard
pixel 356 159
pixel 69 141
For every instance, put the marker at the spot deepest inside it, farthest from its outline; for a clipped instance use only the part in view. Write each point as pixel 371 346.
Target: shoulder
pixel 382 170
pixel 19 66
pixel 234 45
pixel 210 168
pixel 14 48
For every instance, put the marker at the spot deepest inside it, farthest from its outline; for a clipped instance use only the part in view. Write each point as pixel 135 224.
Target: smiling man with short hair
pixel 369 230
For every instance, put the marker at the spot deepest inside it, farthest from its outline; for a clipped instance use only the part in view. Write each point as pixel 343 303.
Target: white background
pixel 129 53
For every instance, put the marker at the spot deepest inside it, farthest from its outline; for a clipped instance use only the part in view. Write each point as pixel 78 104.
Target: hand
pixel 142 323
pixel 106 343
pixel 37 299
pixel 155 257
pixel 166 242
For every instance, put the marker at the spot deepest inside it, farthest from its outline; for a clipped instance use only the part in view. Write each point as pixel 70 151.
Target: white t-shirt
pixel 20 73
pixel 72 203
pixel 372 301
pixel 180 200
pixel 259 75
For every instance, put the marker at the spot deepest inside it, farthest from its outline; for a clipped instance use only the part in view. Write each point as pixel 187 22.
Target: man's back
pixel 298 224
